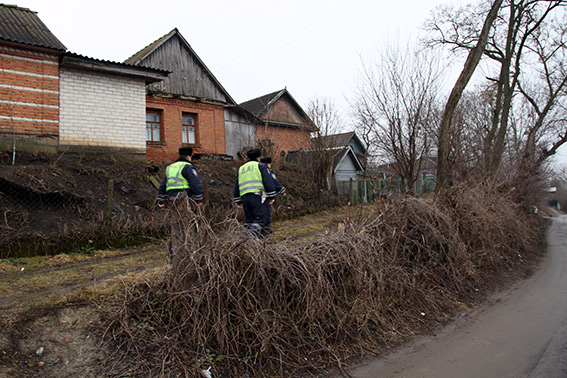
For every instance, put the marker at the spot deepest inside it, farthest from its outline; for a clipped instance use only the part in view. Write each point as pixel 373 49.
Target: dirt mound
pixel 53 203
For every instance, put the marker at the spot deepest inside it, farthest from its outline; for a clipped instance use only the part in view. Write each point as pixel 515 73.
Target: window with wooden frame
pixel 154 127
pixel 188 128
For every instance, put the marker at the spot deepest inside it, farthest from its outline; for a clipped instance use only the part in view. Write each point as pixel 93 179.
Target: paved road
pixel 523 334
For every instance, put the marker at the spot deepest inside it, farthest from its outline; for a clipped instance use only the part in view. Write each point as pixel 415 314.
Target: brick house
pixel 74 102
pixel 281 124
pixel 186 109
pixel 63 99
pixel 29 75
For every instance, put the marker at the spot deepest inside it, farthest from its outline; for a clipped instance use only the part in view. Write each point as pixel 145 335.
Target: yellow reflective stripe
pixel 250 178
pixel 175 179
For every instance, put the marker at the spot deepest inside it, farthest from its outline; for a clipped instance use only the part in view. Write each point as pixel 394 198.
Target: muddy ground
pixel 73 227
pixel 49 305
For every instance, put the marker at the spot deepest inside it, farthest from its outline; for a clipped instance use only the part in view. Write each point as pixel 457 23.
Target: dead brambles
pixel 246 307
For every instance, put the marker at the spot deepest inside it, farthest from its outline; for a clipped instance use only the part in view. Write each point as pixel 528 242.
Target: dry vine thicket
pixel 252 308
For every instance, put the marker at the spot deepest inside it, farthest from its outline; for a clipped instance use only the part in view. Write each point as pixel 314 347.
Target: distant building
pixel 345 140
pixel 281 124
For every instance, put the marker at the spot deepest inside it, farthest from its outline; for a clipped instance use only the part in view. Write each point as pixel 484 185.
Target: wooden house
pixel 281 123
pixel 346 166
pixel 187 108
pixel 345 140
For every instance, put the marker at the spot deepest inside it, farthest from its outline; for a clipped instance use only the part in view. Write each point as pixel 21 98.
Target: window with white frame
pixel 153 125
pixel 188 125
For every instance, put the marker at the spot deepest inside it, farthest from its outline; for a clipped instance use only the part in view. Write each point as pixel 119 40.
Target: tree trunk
pixel 470 66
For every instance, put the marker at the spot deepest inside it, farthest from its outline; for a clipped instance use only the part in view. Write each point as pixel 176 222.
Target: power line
pixel 248 55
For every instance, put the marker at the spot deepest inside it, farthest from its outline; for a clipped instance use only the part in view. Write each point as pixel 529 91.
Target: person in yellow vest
pixel 180 183
pixel 254 188
pixel 181 177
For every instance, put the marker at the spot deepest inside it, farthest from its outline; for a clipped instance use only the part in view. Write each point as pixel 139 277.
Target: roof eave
pixel 150 75
pixel 38 48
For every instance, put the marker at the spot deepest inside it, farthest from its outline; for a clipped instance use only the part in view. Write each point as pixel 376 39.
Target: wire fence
pixel 365 191
pixel 53 204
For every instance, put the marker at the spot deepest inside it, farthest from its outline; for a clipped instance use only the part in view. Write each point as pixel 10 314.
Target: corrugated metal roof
pixel 22 25
pixel 150 74
pixel 137 57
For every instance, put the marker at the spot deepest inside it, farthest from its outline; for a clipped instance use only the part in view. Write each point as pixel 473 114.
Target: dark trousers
pixel 255 211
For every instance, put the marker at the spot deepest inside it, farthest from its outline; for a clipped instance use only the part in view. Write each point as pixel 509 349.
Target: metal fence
pixel 365 191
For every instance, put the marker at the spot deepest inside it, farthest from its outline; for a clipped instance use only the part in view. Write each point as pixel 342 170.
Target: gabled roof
pixel 150 75
pixel 342 154
pixel 341 140
pixel 260 106
pixel 22 25
pixel 143 53
pixel 138 58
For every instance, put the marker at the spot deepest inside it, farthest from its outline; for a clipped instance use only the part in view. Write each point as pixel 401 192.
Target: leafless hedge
pixel 252 308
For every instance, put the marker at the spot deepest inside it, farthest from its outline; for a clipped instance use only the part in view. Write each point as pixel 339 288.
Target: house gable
pixel 189 79
pixel 279 109
pixel 356 144
pixel 283 111
pixel 282 125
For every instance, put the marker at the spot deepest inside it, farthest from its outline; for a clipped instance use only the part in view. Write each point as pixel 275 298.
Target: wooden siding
pixel 239 133
pixel 283 111
pixel 188 78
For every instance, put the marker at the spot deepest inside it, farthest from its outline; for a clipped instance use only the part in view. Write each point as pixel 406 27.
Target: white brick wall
pixel 102 110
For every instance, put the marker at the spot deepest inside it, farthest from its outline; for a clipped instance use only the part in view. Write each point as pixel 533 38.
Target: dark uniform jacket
pixel 280 189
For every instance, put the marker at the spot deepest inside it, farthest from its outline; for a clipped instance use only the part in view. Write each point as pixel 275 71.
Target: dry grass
pixel 257 308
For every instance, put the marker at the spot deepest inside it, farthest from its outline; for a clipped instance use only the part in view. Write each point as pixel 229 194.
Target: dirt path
pixel 520 333
pixel 40 281
pixel 52 278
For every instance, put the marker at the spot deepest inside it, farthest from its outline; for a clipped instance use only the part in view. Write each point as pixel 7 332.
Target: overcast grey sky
pixel 253 47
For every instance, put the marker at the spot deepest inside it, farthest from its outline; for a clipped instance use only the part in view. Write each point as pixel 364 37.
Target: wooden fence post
pixel 110 202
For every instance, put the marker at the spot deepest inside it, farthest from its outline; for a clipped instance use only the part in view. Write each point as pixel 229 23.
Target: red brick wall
pixel 284 138
pixel 30 92
pixel 209 130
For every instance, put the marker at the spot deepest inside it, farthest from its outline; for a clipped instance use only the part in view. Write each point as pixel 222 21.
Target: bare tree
pixel 544 94
pixel 328 122
pixel 396 108
pixel 510 47
pixel 471 123
pixel 471 63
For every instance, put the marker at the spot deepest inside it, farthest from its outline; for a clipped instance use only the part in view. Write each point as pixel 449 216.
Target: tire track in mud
pixel 18 295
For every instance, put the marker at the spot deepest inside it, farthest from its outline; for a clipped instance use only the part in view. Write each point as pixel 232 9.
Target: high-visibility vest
pixel 175 179
pixel 250 178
